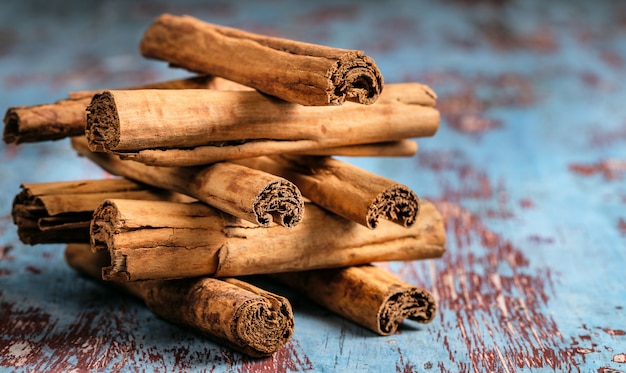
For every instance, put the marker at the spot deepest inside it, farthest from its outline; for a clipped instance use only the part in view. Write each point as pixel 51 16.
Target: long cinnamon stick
pixel 226 152
pixel 399 148
pixel 60 212
pixel 346 190
pixel 230 311
pixel 160 240
pixel 197 82
pixel 298 72
pixel 367 295
pixel 182 127
pixel 250 194
pixel 67 117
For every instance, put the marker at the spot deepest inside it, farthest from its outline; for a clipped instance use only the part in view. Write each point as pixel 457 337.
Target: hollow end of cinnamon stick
pixel 103 124
pixel 398 204
pixel 359 77
pixel 263 325
pixel 298 72
pixel 280 202
pixel 413 303
pixel 232 312
pixel 368 295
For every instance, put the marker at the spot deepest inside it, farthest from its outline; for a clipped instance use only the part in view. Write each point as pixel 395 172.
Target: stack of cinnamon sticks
pixel 232 173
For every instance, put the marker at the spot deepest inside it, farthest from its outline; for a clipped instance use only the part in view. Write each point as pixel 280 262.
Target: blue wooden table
pixel 529 169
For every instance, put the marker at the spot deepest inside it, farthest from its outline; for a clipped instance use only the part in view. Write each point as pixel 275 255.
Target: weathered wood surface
pixel 529 167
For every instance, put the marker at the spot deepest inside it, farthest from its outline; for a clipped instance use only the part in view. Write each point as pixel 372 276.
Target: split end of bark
pixel 398 204
pixel 105 219
pixel 36 123
pixel 357 79
pixel 414 304
pixel 280 202
pixel 103 124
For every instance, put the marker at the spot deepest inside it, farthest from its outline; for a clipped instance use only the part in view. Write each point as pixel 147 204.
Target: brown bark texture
pixel 67 117
pixel 229 311
pixel 60 212
pixel 398 148
pixel 164 240
pixel 184 128
pixel 347 190
pixel 298 72
pixel 250 194
pixel 367 295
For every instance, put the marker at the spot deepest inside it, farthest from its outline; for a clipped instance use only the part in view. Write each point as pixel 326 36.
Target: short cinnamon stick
pixel 250 194
pixel 161 240
pixel 298 72
pixel 60 212
pixel 182 127
pixel 230 311
pixel 67 117
pixel 367 295
pixel 347 190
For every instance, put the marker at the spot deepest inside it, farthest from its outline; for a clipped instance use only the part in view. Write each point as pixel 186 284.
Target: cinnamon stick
pixel 161 240
pixel 67 117
pixel 250 194
pixel 197 82
pixel 60 212
pixel 182 127
pixel 346 190
pixel 298 72
pixel 230 311
pixel 241 150
pixel 366 295
pixel 399 148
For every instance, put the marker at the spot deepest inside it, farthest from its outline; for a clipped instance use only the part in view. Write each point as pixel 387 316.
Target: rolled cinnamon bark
pixel 182 127
pixel 60 212
pixel 67 117
pixel 366 295
pixel 250 194
pixel 162 240
pixel 230 311
pixel 298 72
pixel 349 191
pixel 400 148
pixel 197 82
pixel 226 152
